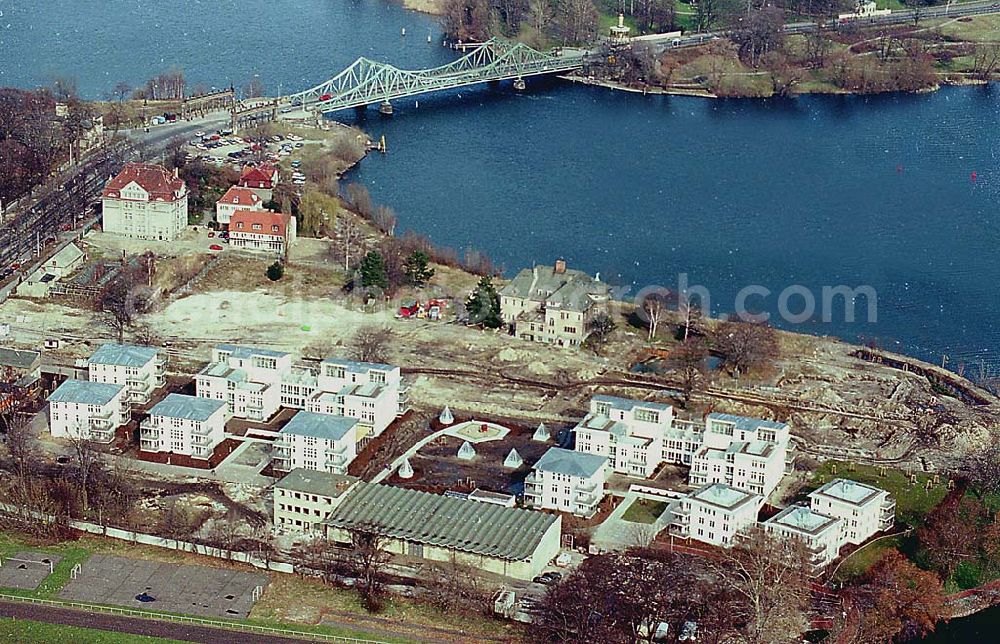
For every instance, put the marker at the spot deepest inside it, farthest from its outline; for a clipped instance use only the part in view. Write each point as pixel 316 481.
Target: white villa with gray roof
pixel 553 304
pixel 247 379
pixel 187 425
pixel 370 392
pixel 320 442
pixel 822 535
pixel 567 481
pixel 140 369
pixel 715 514
pixel 747 453
pixel 865 509
pixel 81 409
pixel 630 433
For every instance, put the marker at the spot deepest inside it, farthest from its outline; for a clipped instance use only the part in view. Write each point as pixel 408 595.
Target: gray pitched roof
pixel 186 407
pixel 460 524
pixel 326 426
pixel 85 392
pixel 18 359
pixel 358 367
pixel 571 289
pixel 248 352
pixel 313 482
pixel 566 461
pixel 66 256
pixel 124 355
pixel 746 424
pixel 627 404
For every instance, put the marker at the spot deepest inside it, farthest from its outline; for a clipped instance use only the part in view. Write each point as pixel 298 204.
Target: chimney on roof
pixel 560 266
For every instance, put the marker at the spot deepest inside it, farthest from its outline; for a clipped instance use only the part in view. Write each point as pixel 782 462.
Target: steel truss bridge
pixel 367 82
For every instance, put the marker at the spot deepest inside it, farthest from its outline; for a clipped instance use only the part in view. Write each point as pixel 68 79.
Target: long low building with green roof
pixel 508 541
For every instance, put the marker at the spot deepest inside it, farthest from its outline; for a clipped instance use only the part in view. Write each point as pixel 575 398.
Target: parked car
pixel 548 578
pixel 215 247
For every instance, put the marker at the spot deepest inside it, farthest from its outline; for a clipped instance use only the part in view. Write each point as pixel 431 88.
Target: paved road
pixel 135 625
pixel 159 137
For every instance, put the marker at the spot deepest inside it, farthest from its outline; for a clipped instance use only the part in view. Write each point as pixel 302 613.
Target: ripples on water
pixel 814 191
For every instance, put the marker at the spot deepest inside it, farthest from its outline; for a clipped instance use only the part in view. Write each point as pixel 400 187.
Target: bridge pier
pixel 385 108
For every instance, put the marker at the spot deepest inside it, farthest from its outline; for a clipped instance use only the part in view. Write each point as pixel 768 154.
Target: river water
pixel 897 193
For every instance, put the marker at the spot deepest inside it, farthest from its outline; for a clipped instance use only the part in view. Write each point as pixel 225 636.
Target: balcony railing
pixel 101 434
pixel 201 429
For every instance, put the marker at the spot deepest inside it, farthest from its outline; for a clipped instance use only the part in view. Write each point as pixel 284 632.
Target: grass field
pixel 865 557
pixel 71 554
pixel 644 511
pixel 913 501
pixel 20 630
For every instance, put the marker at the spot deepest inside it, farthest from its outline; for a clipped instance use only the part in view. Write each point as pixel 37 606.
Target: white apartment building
pixel 145 201
pixel 746 453
pixel 715 514
pixel 821 534
pixel 865 509
pixel 370 392
pixel 140 369
pixel 319 442
pixel 629 433
pixel 567 481
pixel 248 379
pixel 304 499
pixel 236 198
pixel 88 410
pixel 186 425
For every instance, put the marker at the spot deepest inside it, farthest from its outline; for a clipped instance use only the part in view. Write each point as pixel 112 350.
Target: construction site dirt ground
pixel 437 467
pixel 832 399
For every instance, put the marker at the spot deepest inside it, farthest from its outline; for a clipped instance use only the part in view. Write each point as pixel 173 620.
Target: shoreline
pixel 705 93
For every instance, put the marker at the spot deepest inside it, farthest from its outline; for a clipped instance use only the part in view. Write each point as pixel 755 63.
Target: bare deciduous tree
pixel 371 344
pixel 368 564
pixel 688 360
pixel 655 311
pixel 745 345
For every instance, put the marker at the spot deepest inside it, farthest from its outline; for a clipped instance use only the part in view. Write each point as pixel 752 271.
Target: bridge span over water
pixel 367 82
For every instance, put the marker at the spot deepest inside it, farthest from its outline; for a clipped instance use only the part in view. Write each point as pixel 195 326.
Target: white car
pixel 199 134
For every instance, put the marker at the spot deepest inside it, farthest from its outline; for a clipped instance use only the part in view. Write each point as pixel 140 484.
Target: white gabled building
pixel 746 453
pixel 319 442
pixel 248 379
pixel 567 481
pixel 88 410
pixel 715 514
pixel 145 201
pixel 140 369
pixel 236 198
pixel 820 534
pixel 370 392
pixel 629 433
pixel 186 425
pixel 865 509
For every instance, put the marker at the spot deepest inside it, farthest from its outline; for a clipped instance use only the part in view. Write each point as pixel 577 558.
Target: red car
pixel 215 247
pixel 211 234
pixel 325 97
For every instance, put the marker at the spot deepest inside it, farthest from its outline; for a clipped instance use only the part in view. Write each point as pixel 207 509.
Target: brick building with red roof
pixel 145 201
pixel 262 230
pixel 236 198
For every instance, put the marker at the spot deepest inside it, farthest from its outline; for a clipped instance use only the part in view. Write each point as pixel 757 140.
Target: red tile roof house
pixel 145 201
pixel 236 198
pixel 261 178
pixel 262 230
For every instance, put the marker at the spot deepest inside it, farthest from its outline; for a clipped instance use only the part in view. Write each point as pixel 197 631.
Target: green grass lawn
pixel 644 511
pixel 21 630
pixel 913 502
pixel 859 561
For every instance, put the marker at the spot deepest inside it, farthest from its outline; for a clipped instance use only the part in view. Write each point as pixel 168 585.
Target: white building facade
pixel 715 514
pixel 318 442
pixel 747 453
pixel 820 534
pixel 303 499
pixel 630 433
pixel 186 425
pixel 567 481
pixel 145 201
pixel 865 509
pixel 81 409
pixel 140 369
pixel 248 379
pixel 372 393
